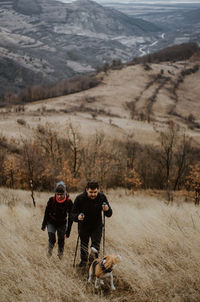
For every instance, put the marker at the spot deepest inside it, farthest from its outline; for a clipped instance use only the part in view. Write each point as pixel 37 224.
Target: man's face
pixel 92 193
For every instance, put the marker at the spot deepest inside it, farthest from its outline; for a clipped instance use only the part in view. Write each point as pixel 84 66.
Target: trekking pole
pixel 104 233
pixel 77 242
pixel 104 230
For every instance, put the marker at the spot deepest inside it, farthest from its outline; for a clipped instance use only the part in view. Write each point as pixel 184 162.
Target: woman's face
pixel 60 196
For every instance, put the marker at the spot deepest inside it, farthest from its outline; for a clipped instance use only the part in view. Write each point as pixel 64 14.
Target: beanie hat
pixel 60 187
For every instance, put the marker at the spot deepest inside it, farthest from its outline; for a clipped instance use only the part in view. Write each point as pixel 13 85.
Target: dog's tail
pixel 94 252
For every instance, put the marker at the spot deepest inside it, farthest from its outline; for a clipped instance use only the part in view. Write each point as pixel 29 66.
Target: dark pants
pixel 52 229
pixel 85 235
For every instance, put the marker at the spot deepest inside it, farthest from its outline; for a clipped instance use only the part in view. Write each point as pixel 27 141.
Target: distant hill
pixel 192 16
pixel 47 40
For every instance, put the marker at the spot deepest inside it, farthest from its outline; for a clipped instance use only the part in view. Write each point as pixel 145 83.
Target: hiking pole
pixel 77 242
pixel 104 230
pixel 104 234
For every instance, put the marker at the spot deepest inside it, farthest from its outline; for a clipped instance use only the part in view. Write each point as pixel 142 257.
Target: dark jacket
pixel 91 208
pixel 56 213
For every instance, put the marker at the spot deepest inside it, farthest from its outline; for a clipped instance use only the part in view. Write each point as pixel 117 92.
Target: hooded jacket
pixel 56 213
pixel 92 210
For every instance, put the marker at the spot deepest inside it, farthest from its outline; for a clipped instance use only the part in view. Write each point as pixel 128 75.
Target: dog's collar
pixel 105 270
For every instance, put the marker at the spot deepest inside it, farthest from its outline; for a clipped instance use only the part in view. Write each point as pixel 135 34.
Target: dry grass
pixel 159 245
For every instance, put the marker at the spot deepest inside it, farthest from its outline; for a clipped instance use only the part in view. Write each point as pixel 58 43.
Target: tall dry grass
pixel 159 244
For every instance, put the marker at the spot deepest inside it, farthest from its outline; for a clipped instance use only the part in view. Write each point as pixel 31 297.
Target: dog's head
pixel 111 260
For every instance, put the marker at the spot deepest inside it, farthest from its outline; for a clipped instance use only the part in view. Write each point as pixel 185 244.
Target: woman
pixel 58 208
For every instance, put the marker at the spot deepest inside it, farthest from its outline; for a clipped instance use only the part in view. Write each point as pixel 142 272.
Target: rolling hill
pixel 139 99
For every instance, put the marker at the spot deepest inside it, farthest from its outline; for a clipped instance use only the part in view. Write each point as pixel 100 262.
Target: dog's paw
pixel 89 280
pixel 101 281
pixel 113 288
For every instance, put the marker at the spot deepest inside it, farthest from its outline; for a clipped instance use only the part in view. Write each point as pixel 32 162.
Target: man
pixel 58 208
pixel 87 211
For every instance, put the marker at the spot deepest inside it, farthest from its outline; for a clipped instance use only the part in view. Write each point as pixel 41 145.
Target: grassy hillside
pixel 138 99
pixel 158 243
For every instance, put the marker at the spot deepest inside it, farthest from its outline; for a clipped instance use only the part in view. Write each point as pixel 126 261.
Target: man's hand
pixel 43 228
pixel 81 217
pixel 105 207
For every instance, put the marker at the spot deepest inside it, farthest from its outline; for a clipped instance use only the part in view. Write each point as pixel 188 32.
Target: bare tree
pixel 48 139
pixel 168 141
pixel 29 161
pixel 75 145
pixel 182 160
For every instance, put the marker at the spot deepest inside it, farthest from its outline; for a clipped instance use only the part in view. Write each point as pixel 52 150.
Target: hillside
pixel 46 41
pixel 158 244
pixel 137 99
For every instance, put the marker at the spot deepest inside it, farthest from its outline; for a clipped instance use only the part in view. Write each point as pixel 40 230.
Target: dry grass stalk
pixel 158 243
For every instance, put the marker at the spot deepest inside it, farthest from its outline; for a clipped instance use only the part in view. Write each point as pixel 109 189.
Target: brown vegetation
pixel 35 93
pixel 158 244
pixel 149 113
pixel 47 158
pixel 193 181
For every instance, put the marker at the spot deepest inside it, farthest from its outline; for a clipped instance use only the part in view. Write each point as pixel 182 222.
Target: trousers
pixel 85 235
pixel 61 230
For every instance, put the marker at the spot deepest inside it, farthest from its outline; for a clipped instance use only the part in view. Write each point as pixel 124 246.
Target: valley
pixel 47 41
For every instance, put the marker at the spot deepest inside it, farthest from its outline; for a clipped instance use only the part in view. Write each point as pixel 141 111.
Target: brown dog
pixel 103 268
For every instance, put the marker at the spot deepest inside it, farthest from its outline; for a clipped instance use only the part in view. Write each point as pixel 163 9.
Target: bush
pixel 21 122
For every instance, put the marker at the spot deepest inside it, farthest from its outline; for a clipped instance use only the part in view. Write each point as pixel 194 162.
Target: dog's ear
pixel 117 258
pixel 108 262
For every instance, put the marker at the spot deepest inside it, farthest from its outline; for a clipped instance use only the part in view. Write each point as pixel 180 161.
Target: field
pixel 132 100
pixel 159 245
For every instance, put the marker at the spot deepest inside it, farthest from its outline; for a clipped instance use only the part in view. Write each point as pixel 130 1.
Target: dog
pixel 101 268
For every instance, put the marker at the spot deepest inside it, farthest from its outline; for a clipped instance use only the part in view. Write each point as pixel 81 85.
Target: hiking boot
pixel 50 250
pixel 60 252
pixel 82 264
pixel 60 256
pixel 49 254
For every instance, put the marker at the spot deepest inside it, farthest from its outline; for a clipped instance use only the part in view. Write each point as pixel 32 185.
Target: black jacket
pixel 91 208
pixel 56 213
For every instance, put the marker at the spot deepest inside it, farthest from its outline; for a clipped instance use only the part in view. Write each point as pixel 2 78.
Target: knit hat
pixel 60 187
